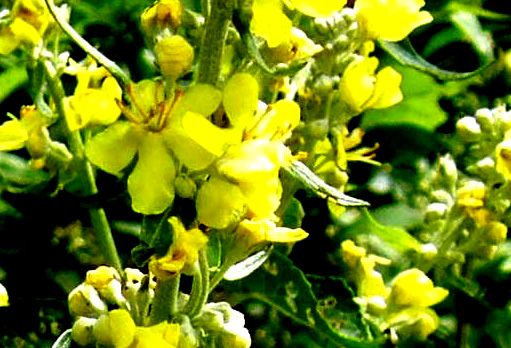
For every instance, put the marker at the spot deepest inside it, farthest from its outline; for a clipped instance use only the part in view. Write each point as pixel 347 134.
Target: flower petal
pixel 317 8
pixel 151 184
pixel 240 99
pixel 12 135
pixel 114 148
pixel 219 203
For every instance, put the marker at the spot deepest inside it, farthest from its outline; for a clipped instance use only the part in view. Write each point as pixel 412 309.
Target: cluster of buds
pixel 401 305
pixel 116 313
pixel 468 195
pixel 161 23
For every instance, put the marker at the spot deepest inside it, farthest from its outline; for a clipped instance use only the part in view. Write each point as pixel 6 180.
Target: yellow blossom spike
pixel 219 202
pixel 114 148
pixel 413 288
pixel 240 99
pixel 390 20
pixel 151 184
pixel 13 135
pixel 270 22
pixel 317 8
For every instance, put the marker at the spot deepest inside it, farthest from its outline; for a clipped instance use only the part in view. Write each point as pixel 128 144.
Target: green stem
pixel 213 41
pixel 86 174
pixel 195 293
pixel 164 305
pixel 121 77
pixel 203 295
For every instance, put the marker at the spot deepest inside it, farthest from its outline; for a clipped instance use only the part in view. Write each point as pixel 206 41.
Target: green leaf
pixel 214 251
pixel 397 238
pixel 246 267
pixel 12 79
pixel 419 107
pixel 16 174
pixel 469 25
pixel 64 340
pixel 156 237
pixel 406 55
pixel 282 285
pixel 8 210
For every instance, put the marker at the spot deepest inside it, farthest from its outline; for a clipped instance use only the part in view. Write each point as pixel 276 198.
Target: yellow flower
pixel 270 22
pixel 471 196
pixel 413 288
pixel 390 20
pixel 95 98
pixel 156 133
pixel 162 335
pixel 30 19
pixel 182 253
pixel 413 322
pixel 362 88
pixel 4 296
pixel 299 46
pixel 246 178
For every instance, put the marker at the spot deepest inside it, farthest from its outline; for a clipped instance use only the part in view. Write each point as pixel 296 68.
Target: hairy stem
pixel 86 173
pixel 213 41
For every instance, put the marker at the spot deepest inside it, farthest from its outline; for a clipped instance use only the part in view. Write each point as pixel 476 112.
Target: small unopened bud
pixel 174 56
pixel 428 251
pixel 82 331
pixel 468 129
pixel 436 211
pixel 161 15
pixel 485 119
pixel 84 301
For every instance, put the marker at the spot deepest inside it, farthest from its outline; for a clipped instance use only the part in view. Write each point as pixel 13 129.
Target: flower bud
pixel 82 331
pixel 503 157
pixel 436 211
pixel 486 252
pixel 468 129
pixel 107 282
pixel 84 301
pixel 485 119
pixel 174 56
pixel 162 14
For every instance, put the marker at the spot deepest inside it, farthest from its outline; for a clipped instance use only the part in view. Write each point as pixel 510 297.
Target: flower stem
pixel 164 304
pixel 213 41
pixel 121 77
pixel 86 174
pixel 202 296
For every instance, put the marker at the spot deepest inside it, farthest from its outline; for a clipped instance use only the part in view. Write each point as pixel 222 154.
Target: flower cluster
pixel 403 305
